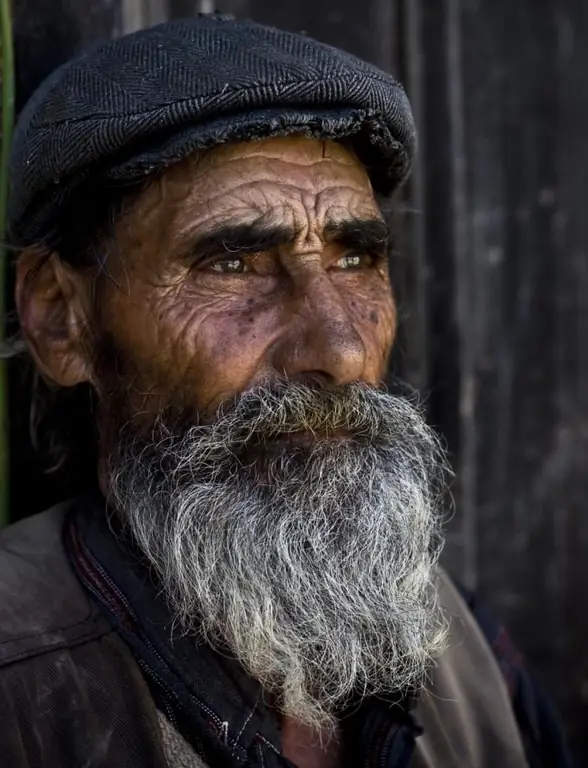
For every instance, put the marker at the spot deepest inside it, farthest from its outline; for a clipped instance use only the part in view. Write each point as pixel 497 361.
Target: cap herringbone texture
pixel 131 106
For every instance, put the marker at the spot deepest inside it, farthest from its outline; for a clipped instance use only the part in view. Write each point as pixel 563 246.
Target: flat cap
pixel 134 105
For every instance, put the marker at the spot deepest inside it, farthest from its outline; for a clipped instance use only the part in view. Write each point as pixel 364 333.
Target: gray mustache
pixel 282 408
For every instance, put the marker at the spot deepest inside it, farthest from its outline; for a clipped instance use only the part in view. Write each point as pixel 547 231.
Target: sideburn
pixel 123 409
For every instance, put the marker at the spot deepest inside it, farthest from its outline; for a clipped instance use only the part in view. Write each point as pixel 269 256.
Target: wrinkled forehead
pixel 279 180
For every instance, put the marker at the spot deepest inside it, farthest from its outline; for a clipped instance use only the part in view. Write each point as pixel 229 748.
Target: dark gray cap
pixel 132 106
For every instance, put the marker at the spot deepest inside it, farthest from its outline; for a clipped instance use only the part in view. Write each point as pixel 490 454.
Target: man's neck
pixel 306 749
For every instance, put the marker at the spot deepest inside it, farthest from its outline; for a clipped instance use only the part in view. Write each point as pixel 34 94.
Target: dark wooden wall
pixel 493 276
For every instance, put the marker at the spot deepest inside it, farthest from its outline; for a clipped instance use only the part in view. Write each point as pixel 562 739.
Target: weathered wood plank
pixel 48 32
pixel 512 266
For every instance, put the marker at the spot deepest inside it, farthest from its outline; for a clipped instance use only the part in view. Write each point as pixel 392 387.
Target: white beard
pixel 313 566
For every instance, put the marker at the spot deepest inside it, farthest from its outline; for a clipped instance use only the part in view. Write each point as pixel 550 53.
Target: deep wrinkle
pixel 369 235
pixel 199 334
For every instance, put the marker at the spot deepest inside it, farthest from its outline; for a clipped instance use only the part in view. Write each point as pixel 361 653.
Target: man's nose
pixel 321 337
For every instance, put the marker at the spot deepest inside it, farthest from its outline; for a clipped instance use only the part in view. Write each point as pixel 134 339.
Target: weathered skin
pixel 197 334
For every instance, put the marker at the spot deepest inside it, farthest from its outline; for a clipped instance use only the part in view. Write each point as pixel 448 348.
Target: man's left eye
pixel 355 261
pixel 234 265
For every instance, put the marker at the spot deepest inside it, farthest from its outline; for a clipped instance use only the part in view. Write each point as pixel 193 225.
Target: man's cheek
pixel 201 361
pixel 374 317
pixel 237 329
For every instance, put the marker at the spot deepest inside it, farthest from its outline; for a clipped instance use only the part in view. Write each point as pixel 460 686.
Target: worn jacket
pixel 73 694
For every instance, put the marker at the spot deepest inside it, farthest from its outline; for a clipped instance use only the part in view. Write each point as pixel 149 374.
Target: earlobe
pixel 49 301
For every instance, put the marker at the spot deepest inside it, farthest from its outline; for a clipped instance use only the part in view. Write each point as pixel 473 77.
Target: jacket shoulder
pixel 42 603
pixel 71 693
pixel 465 708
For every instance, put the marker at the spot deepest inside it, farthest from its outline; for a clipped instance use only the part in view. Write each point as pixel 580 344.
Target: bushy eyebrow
pixel 369 235
pixel 364 234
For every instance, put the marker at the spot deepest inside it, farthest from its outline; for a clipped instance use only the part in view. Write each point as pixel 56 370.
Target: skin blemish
pixel 374 317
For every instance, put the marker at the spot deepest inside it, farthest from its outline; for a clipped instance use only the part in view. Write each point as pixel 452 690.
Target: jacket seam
pixel 65 628
pixel 43 650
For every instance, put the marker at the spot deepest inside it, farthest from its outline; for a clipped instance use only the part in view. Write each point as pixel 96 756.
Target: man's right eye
pixel 233 265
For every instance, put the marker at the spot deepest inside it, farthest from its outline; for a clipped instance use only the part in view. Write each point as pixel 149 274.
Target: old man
pixel 250 577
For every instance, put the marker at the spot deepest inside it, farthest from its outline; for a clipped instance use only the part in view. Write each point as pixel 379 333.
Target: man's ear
pixel 50 303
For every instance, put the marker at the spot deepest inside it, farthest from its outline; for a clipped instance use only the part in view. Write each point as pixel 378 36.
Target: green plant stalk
pixel 7 53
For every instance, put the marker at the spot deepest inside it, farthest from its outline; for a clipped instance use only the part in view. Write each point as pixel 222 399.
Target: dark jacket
pixel 72 694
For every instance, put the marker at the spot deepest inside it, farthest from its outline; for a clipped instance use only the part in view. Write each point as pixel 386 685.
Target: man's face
pixel 287 502
pixel 257 260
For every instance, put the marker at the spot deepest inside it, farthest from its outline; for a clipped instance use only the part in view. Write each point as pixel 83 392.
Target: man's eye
pixel 229 266
pixel 355 261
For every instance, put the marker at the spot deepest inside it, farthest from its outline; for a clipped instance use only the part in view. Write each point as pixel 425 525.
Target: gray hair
pixel 314 565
